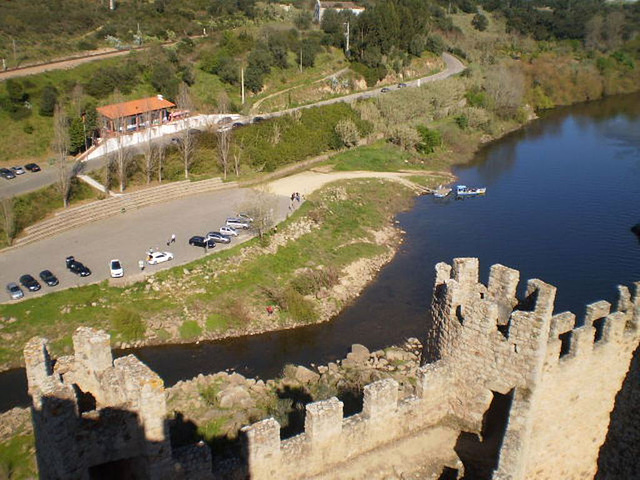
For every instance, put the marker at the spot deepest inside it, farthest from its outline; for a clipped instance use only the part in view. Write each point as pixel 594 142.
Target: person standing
pixel 173 238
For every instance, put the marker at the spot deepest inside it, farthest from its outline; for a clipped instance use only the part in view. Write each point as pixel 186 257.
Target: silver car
pixel 15 292
pixel 237 223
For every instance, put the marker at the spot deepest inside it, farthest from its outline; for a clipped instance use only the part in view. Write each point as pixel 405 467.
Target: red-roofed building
pixel 135 114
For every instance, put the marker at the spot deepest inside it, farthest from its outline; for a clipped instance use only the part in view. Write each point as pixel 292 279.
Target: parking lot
pixel 128 237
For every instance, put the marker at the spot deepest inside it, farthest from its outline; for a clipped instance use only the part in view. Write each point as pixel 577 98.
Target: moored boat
pixel 464 191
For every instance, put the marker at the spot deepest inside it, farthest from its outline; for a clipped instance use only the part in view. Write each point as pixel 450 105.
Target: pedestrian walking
pixel 173 238
pixel 141 265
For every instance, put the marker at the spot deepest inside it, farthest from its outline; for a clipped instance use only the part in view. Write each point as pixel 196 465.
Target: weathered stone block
pixel 323 420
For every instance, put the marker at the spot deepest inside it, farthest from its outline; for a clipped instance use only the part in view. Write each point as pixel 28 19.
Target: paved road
pixel 30 181
pixel 35 181
pixel 127 237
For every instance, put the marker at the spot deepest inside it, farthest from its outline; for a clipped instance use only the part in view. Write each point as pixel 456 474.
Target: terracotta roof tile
pixel 134 107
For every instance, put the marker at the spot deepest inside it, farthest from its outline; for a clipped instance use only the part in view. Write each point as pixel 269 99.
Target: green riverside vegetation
pixel 225 292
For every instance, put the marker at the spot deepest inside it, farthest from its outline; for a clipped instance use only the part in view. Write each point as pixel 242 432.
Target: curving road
pixel 34 181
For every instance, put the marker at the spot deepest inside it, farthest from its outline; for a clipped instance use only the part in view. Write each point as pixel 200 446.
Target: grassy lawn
pixel 35 206
pixel 382 156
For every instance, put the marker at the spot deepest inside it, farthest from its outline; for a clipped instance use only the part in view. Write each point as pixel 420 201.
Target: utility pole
pixel 15 57
pixel 301 59
pixel 242 82
pixel 346 50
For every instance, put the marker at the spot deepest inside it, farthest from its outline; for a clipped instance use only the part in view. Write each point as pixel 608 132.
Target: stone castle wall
pixel 96 416
pixel 560 379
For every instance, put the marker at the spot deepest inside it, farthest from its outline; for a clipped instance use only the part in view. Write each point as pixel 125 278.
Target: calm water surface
pixel 562 196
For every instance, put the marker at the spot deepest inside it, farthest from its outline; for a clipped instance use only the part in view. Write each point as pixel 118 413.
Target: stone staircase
pixel 118 204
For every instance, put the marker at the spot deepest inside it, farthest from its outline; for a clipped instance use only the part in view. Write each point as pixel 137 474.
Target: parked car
pixel 15 292
pixel 229 231
pixel 200 241
pixel 237 124
pixel 237 223
pixel 218 237
pixel 115 268
pixel 159 257
pixel 402 85
pixel 32 167
pixel 257 119
pixel 49 278
pixel 18 170
pixel 6 173
pixel 29 283
pixel 385 89
pixel 244 216
pixel 77 267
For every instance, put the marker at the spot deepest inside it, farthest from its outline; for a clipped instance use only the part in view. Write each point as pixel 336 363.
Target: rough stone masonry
pixel 507 390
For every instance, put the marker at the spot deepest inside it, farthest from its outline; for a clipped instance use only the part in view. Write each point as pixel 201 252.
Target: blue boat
pixel 464 191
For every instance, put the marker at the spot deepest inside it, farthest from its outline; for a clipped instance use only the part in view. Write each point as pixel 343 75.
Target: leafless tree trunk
pixel 122 154
pixel 237 156
pixel 224 142
pixel 223 102
pixel 161 152
pixel 123 157
pixel 505 87
pixel 60 147
pixel 8 219
pixel 147 147
pixel 187 139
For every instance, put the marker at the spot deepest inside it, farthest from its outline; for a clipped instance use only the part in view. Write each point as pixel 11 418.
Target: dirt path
pixel 255 106
pixel 70 62
pixel 307 182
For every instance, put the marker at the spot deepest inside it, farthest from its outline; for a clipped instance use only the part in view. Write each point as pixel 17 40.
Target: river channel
pixel 562 196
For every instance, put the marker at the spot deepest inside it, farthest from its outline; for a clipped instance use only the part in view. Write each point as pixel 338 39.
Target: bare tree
pixel 148 150
pixel 186 140
pixel 262 208
pixel 8 219
pixel 122 154
pixel 160 154
pixel 223 102
pixel 505 86
pixel 237 155
pixel 224 142
pixel 60 146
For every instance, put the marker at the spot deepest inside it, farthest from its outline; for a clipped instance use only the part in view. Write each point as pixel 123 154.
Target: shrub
pixel 462 121
pixel 480 22
pixel 48 100
pixel 435 44
pixel 28 128
pixel 404 136
pixel 348 133
pixel 190 329
pixel 431 139
pixel 127 324
pixel 311 281
pixel 293 302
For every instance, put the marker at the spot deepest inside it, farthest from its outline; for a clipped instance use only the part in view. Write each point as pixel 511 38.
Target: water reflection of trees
pixel 497 158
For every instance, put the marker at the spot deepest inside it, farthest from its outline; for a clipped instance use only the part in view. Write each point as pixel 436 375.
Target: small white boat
pixel 464 191
pixel 441 192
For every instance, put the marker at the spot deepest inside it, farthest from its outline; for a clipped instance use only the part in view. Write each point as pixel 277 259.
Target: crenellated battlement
pixel 91 411
pixel 485 346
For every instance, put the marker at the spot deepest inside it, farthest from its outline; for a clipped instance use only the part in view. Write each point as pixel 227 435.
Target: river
pixel 563 194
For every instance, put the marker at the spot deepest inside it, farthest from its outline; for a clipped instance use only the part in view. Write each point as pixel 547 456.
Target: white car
pixel 159 257
pixel 115 268
pixel 228 231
